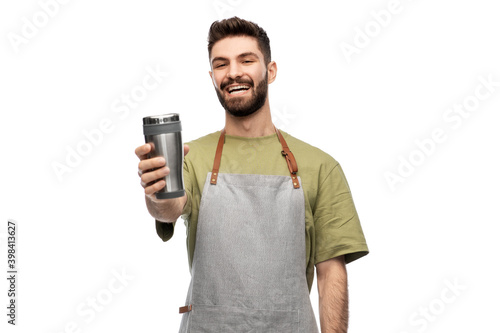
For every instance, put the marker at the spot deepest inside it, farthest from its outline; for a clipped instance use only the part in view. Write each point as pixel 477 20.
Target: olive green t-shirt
pixel 332 226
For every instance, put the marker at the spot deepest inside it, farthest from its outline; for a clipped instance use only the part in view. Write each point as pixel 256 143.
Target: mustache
pixel 233 81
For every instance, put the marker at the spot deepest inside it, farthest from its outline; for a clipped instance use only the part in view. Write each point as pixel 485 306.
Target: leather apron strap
pixel 286 152
pixel 218 155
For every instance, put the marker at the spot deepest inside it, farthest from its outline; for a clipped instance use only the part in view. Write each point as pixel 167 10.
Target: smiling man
pixel 257 224
pixel 227 86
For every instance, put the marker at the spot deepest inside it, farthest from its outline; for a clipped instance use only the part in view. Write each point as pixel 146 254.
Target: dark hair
pixel 235 26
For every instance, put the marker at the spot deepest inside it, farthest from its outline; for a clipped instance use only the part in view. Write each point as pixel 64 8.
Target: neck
pixel 255 125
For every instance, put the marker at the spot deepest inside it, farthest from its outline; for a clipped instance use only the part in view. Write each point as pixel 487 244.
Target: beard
pixel 239 107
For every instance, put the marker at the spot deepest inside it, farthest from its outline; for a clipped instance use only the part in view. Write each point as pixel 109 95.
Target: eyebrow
pixel 218 59
pixel 248 54
pixel 243 55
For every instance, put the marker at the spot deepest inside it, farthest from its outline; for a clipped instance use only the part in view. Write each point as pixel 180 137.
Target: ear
pixel 212 77
pixel 272 70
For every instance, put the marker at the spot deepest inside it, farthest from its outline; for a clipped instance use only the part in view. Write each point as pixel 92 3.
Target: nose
pixel 234 71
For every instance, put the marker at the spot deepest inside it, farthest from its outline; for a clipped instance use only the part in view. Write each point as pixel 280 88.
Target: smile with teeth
pixel 237 89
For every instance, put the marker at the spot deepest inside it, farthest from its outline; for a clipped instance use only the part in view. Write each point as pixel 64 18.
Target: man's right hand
pixel 151 172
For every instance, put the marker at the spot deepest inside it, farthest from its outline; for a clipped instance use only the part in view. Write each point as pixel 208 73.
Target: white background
pixel 436 229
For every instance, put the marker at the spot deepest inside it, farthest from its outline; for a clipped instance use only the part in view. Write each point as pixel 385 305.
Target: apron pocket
pixel 222 319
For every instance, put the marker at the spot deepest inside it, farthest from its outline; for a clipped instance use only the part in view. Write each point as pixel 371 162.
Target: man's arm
pixel 333 295
pixel 166 210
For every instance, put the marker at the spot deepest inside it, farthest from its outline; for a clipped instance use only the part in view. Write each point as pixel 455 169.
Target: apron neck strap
pixel 290 159
pixel 287 154
pixel 218 155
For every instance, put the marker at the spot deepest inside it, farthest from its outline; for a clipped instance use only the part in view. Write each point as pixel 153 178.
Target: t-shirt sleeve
pixel 337 227
pixel 166 230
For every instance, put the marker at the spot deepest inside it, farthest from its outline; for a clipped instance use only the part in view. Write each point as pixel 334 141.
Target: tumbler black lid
pixel 160 119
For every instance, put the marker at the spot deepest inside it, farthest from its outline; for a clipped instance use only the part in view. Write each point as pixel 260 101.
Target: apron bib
pixel 248 270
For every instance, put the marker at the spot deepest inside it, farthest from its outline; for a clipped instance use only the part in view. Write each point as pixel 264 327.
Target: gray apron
pixel 249 264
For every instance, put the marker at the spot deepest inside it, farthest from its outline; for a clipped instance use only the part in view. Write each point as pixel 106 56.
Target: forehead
pixel 233 46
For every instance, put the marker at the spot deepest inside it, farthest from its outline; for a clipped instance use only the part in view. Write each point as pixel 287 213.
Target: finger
pixel 152 189
pixel 151 163
pixel 186 149
pixel 142 151
pixel 151 176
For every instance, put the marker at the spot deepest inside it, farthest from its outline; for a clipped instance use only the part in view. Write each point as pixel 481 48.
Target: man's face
pixel 239 75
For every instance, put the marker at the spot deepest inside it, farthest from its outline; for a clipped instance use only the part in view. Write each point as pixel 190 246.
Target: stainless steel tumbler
pixel 164 133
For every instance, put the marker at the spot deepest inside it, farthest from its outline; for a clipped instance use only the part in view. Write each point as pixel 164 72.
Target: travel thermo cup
pixel 164 133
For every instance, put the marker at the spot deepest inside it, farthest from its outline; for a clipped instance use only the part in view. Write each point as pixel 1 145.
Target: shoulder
pixel 203 145
pixel 204 141
pixel 201 151
pixel 309 155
